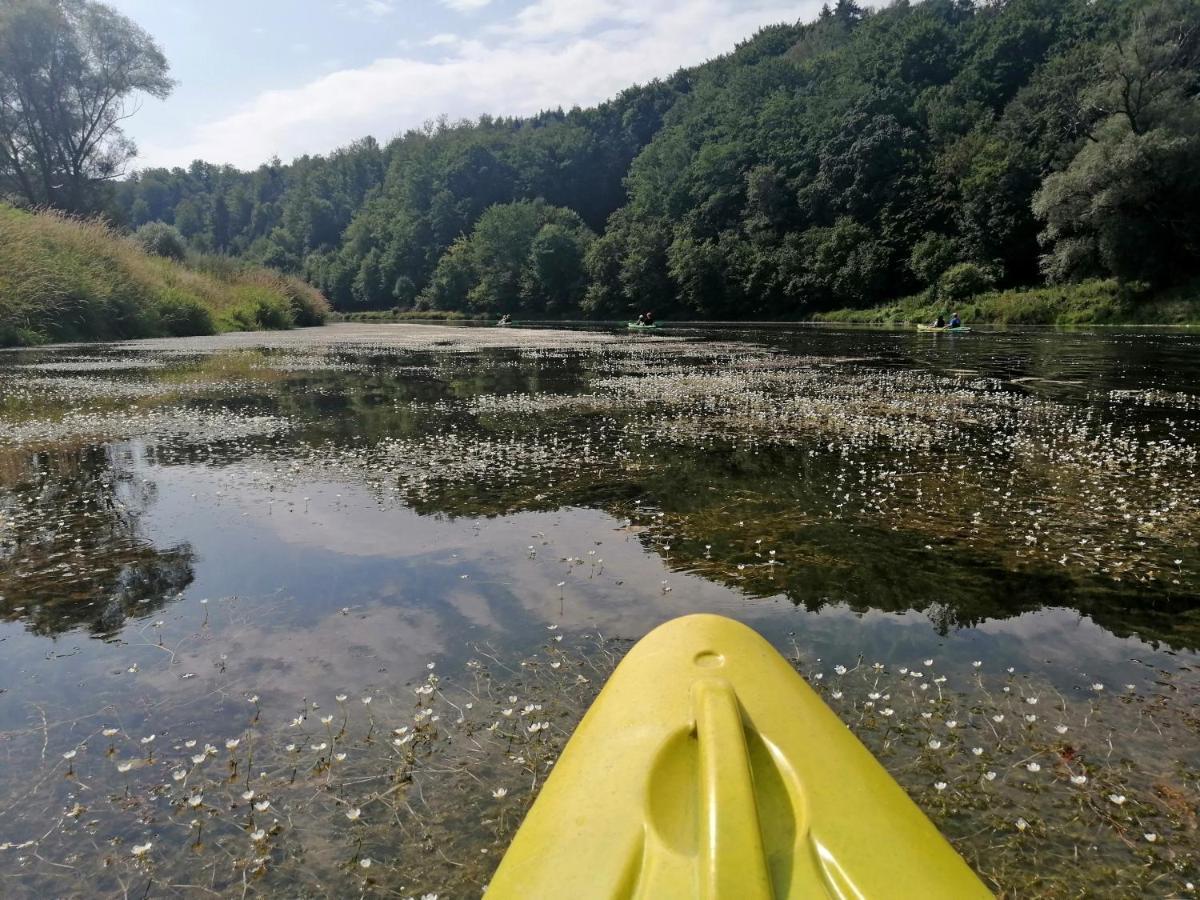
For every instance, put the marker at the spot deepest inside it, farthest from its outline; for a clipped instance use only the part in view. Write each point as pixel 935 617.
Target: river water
pixel 212 540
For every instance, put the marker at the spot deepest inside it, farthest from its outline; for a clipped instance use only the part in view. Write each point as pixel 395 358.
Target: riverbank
pixel 64 279
pixel 1086 303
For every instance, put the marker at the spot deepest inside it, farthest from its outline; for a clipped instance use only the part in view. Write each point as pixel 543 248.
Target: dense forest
pixel 944 146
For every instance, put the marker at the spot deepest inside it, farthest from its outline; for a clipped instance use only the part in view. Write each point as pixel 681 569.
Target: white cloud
pixel 465 5
pixel 374 8
pixel 599 47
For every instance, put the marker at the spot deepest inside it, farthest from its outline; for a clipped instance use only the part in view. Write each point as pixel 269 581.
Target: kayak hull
pixel 962 329
pixel 708 768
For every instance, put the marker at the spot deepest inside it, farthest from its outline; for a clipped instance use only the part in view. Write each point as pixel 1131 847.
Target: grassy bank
pixel 63 279
pixel 405 315
pixel 1086 303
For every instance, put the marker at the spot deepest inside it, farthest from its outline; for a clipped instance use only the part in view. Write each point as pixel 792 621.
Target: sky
pixel 263 78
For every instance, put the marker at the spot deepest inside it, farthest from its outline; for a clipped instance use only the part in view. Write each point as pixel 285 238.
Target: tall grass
pixel 64 279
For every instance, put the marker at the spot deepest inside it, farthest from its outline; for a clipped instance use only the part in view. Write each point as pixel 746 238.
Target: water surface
pixel 186 524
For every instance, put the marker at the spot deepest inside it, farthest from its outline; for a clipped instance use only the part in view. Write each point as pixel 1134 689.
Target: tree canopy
pixel 69 70
pixel 845 161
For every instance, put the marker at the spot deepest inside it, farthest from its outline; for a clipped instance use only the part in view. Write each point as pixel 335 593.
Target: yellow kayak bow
pixel 708 768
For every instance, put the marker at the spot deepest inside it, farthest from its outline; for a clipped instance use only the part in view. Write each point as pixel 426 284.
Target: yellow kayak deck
pixel 708 768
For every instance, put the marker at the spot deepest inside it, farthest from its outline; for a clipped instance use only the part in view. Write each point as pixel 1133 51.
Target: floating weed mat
pixel 417 791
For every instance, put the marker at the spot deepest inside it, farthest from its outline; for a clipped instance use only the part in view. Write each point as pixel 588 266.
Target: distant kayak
pixel 708 768
pixel 961 329
pixel 638 326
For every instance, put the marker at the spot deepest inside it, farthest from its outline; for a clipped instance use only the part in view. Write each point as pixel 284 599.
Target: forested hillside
pixel 946 145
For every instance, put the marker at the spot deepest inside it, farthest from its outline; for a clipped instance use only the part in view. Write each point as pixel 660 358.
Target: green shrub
pixel 161 239
pixel 183 316
pixel 932 256
pixel 963 281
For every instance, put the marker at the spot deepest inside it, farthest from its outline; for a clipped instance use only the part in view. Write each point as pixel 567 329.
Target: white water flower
pixel 258 836
pixel 837 695
pixel 195 800
pixel 1022 824
pixel 124 767
pixel 248 795
pixel 340 698
pixel 365 862
pixel 109 732
pixel 935 744
pixel 1031 718
pixel 500 793
pixel 990 776
pixel 147 739
pixel 506 713
pixel 841 670
pixel 354 814
pixel 977 751
pixel 1150 836
pixel 232 743
pixel 1078 779
pixel 1033 767
pixel 178 775
pixel 290 748
pixel 1032 701
pixel 340 757
pixel 928 662
pixel 1118 799
pixel 318 747
pixel 952 723
pixel 189 744
pixel 70 754
pixel 140 850
pixel 887 712
pixel 325 720
pixel 977 663
pixel 262 805
pixel 367 700
pixel 253 698
pixel 199 758
pixel 1097 686
pixel 939 786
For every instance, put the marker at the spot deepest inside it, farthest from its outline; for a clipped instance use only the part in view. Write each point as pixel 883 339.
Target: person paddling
pixel 955 321
pixel 646 318
pixel 939 322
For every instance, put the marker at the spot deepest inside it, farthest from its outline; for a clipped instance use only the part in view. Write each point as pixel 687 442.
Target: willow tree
pixel 71 72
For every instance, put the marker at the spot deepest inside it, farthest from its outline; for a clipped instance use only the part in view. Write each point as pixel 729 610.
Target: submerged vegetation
pixel 63 279
pixel 335 599
pixel 417 790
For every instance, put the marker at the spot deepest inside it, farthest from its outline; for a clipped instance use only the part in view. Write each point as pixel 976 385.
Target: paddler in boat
pixel 646 318
pixel 940 321
pixel 955 321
